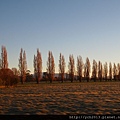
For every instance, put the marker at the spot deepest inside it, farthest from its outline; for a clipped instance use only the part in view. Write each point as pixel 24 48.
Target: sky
pixel 89 28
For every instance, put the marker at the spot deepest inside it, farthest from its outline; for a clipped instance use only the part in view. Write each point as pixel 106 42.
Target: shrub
pixel 8 78
pixel 1 82
pixel 14 81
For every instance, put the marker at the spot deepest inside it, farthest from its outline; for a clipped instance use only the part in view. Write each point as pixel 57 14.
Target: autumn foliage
pixel 71 67
pixel 87 70
pixel 3 61
pixel 61 67
pixel 8 78
pixel 38 66
pixel 94 70
pixel 80 68
pixel 50 67
pixel 82 72
pixel 22 66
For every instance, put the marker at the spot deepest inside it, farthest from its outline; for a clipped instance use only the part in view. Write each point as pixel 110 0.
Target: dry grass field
pixel 61 99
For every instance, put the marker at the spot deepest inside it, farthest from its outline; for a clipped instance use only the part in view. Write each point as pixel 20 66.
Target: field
pixel 61 99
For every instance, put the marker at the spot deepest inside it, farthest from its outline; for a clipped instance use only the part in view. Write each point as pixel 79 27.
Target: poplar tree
pixel 22 65
pixel 115 71
pixel 94 70
pixel 61 67
pixel 38 66
pixel 35 67
pixel 50 66
pixel 87 69
pixel 71 67
pixel 4 60
pixel 79 67
pixel 105 70
pixel 100 71
pixel 110 71
pixel 118 69
pixel 0 63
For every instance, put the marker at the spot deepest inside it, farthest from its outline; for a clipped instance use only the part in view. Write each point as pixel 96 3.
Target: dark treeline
pixel 85 71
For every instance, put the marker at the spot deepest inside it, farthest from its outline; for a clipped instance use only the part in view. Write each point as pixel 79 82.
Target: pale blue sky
pixel 90 28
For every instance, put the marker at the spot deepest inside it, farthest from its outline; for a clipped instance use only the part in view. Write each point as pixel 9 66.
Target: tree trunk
pixel 80 79
pixel 21 80
pixel 87 79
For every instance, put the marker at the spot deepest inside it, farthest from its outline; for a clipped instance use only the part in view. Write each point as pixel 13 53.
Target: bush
pixel 1 82
pixel 8 78
pixel 14 81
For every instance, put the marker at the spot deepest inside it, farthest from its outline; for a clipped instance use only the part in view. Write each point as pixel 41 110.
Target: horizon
pixel 81 27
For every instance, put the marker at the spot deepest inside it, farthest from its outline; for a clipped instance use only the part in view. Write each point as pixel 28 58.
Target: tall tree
pixel 85 71
pixel 71 67
pixel 115 71
pixel 22 65
pixel 94 70
pixel 61 67
pixel 35 67
pixel 79 67
pixel 0 64
pixel 87 67
pixel 50 67
pixel 38 66
pixel 100 71
pixel 4 61
pixel 105 70
pixel 118 69
pixel 110 71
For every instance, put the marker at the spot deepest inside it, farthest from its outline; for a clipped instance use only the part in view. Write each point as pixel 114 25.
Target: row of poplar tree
pixel 99 71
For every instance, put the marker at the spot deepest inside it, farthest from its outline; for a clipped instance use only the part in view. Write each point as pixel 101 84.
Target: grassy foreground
pixel 61 98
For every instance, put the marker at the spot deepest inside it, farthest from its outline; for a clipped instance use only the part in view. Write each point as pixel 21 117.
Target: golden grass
pixel 61 99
